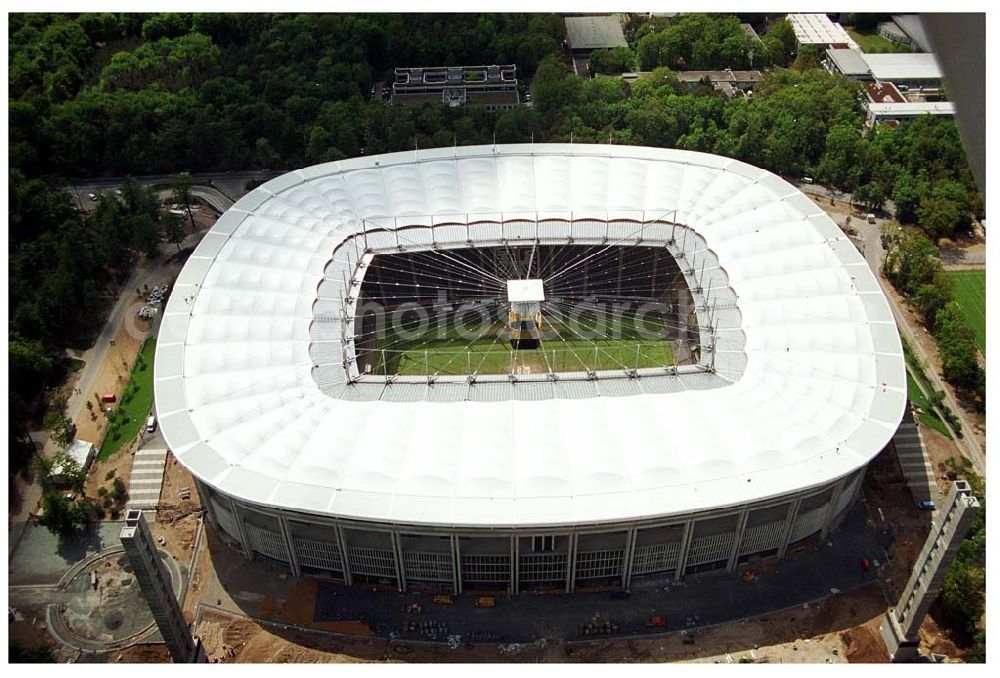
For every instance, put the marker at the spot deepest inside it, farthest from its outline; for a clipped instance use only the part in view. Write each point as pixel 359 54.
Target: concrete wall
pixel 513 560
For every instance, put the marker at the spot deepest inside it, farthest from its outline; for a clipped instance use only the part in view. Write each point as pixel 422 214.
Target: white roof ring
pixel 813 387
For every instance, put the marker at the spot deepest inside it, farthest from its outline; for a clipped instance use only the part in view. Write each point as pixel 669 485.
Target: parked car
pixel 927 505
pixel 151 423
pixel 109 398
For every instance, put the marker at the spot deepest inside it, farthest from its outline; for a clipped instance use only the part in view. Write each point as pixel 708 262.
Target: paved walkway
pixel 874 255
pixel 146 479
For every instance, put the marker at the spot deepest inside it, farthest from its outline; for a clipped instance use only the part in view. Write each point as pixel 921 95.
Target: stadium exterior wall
pixel 513 560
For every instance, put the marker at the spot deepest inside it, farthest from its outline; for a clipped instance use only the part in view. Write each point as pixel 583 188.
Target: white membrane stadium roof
pixel 822 390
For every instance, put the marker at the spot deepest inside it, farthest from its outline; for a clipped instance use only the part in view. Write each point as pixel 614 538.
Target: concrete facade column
pixel 205 495
pixel 244 541
pixel 628 556
pixel 456 566
pixel 786 530
pixel 734 554
pixel 515 564
pixel 397 552
pixel 293 557
pixel 682 556
pixel 831 511
pixel 345 561
pixel 571 563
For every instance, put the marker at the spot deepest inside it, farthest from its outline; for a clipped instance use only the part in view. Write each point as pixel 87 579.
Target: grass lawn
pixel 561 350
pixel 915 378
pixel 927 417
pixel 873 43
pixel 969 290
pixel 134 404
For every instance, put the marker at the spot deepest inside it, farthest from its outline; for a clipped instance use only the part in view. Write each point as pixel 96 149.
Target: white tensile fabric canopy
pixel 819 393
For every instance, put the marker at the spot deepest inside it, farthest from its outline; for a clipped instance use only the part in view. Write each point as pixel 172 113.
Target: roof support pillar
pixel 345 561
pixel 244 541
pixel 786 531
pixel 685 547
pixel 831 510
pixel 515 564
pixel 456 564
pixel 741 526
pixel 293 557
pixel 571 562
pixel 397 552
pixel 628 556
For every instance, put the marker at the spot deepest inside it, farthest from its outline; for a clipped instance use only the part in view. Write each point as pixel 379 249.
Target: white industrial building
pixel 817 29
pixel 521 482
pixel 906 70
pixel 908 110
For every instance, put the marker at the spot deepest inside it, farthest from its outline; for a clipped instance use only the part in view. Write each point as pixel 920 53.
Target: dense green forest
pixel 116 94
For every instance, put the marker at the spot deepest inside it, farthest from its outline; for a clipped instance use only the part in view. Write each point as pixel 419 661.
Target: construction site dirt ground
pixel 111 376
pixel 271 616
pixel 177 519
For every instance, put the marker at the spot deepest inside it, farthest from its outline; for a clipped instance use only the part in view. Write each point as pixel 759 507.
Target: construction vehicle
pixel 486 601
pixel 656 620
pixel 444 599
pixel 413 608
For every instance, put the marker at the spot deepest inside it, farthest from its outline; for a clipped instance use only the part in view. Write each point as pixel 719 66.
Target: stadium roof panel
pixel 810 383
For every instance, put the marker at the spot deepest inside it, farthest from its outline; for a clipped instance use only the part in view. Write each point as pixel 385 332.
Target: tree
pixel 182 194
pixel 62 517
pixel 780 42
pixel 63 430
pixel 147 235
pixel 841 161
pixel 963 590
pixel 938 216
pixel 869 196
pixel 930 298
pixel 614 60
pixel 907 193
pixel 957 347
pixel 120 492
pixel 912 262
pixel 173 230
pixel 29 363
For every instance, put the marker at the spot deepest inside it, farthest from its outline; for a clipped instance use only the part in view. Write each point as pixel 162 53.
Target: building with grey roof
pixel 849 62
pixel 910 70
pixel 913 27
pixel 586 33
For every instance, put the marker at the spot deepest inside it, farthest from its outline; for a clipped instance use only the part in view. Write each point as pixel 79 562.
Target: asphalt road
pixel 707 599
pixel 227 186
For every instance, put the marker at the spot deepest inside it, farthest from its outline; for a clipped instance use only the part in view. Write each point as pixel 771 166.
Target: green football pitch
pixel 969 290
pixel 564 347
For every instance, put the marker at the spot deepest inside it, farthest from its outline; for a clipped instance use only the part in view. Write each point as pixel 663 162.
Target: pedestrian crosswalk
pixel 146 479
